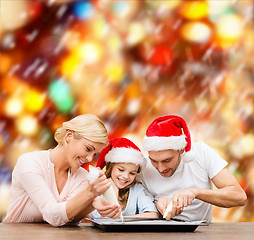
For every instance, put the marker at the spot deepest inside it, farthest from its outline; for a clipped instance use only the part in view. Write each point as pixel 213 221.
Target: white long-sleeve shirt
pixel 34 195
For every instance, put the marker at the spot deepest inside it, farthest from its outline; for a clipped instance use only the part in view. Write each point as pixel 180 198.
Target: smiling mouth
pixel 122 182
pixel 81 161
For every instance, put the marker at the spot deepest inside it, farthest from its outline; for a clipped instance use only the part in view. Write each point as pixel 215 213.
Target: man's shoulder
pixel 199 145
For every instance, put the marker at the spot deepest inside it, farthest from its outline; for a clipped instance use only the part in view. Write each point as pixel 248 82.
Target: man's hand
pixel 105 209
pixel 162 205
pixel 184 198
pixel 180 200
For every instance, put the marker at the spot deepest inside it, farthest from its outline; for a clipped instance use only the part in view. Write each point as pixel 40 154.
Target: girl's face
pixel 80 151
pixel 123 174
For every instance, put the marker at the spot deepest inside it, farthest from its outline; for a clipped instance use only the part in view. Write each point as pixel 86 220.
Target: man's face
pixel 166 162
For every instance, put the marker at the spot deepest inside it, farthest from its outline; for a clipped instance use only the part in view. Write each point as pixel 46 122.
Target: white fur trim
pixel 125 155
pixel 164 143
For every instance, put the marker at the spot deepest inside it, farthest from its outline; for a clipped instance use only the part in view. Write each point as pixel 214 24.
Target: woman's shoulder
pixel 34 156
pixel 33 159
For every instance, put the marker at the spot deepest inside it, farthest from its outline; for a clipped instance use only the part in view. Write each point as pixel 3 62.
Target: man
pixel 185 174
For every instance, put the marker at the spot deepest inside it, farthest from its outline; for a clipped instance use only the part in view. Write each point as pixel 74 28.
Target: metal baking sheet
pixel 144 225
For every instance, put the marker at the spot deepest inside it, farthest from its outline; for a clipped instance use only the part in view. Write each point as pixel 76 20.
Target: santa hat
pixel 169 132
pixel 121 150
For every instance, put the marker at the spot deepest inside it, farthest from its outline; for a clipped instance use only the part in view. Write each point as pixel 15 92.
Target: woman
pixel 124 160
pixel 50 185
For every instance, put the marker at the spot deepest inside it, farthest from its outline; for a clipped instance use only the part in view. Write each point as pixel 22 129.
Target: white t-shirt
pixel 194 174
pixel 34 196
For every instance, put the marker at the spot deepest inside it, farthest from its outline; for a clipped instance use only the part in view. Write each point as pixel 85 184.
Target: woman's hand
pixel 100 185
pixel 105 209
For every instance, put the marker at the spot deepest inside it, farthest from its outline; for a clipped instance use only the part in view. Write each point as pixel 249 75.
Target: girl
pixel 123 160
pixel 50 186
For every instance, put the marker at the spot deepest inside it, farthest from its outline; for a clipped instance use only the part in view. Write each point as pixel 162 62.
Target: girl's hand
pixel 105 209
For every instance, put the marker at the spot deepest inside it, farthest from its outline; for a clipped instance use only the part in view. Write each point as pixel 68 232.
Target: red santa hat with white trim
pixel 121 150
pixel 169 132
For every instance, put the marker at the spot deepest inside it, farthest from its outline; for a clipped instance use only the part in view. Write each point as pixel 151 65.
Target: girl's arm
pixel 146 207
pixel 144 215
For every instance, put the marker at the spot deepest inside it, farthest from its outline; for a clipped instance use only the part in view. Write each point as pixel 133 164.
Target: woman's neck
pixel 58 158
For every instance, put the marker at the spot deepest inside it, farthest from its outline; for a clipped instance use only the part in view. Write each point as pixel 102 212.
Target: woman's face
pixel 82 150
pixel 123 174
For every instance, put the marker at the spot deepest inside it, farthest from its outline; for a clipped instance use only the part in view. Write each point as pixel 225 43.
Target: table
pixel 85 231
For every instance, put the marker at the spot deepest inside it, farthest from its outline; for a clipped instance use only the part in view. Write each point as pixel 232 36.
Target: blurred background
pixel 128 62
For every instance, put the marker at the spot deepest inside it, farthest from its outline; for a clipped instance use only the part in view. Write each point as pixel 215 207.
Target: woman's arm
pixel 59 213
pixel 80 205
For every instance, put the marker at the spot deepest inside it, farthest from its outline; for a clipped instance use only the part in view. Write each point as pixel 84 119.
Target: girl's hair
pixel 124 192
pixel 84 126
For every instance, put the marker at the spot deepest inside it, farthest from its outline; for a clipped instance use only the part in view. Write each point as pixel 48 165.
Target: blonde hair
pixel 86 126
pixel 124 192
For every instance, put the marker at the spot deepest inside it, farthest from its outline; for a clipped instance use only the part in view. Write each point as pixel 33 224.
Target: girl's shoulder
pixel 138 187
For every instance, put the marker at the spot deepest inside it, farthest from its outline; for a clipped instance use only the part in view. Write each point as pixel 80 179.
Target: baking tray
pixel 144 225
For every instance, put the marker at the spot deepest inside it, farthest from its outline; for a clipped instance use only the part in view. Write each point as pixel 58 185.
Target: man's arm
pixel 228 193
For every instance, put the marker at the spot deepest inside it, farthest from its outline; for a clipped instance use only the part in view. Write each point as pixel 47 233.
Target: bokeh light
pixel 14 106
pixel 27 125
pixel 60 93
pixel 34 101
pixel 88 52
pixel 196 32
pixel 229 30
pixel 83 9
pixel 194 10
pixel 13 14
pixel 114 72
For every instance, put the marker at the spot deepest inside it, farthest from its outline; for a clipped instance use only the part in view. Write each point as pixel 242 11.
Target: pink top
pixel 34 196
